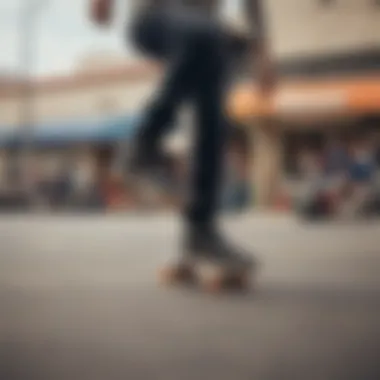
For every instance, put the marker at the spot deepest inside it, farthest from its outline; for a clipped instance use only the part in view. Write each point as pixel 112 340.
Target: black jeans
pixel 196 51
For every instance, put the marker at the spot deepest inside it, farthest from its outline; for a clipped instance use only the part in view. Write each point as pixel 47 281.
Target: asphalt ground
pixel 79 300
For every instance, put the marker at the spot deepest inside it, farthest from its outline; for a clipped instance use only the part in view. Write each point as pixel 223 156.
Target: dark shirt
pixel 362 171
pixel 253 8
pixel 207 5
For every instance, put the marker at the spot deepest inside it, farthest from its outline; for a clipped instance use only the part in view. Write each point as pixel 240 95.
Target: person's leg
pixel 173 38
pixel 198 51
pixel 161 112
pixel 202 236
pixel 199 57
pixel 210 132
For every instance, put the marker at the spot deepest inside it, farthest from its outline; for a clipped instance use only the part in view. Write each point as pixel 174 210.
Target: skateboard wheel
pixel 213 286
pixel 176 274
pixel 210 278
pixel 226 281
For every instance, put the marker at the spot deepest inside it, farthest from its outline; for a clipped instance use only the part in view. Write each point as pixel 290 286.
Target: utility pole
pixel 28 18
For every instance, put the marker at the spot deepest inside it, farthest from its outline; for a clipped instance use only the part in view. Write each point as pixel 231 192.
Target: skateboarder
pixel 196 48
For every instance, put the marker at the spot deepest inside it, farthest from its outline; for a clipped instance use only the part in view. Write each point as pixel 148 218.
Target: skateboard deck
pixel 210 277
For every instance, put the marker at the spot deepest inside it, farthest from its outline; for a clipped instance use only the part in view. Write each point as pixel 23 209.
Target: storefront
pixel 316 110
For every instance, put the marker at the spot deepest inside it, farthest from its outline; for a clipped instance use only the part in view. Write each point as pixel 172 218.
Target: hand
pixel 101 11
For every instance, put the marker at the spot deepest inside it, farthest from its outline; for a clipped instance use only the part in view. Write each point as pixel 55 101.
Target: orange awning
pixel 347 96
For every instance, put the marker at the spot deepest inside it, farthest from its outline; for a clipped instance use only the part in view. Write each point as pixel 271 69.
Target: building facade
pixel 64 112
pixel 71 128
pixel 320 28
pixel 115 89
pixel 327 58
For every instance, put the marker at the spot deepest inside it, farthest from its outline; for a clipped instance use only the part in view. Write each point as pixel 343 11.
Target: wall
pixel 85 101
pixel 302 28
pixel 86 93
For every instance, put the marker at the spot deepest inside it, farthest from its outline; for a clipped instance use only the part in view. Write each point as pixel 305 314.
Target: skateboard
pixel 210 277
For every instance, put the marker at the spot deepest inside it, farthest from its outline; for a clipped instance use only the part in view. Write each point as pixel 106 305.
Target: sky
pixel 63 35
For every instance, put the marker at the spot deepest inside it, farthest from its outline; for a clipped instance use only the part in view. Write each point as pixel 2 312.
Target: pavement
pixel 79 301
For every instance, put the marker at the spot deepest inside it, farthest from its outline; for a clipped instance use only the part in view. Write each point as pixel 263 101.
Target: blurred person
pixel 336 158
pixel 61 186
pixel 328 179
pixel 83 182
pixel 237 189
pixel 362 166
pixel 361 172
pixel 196 47
pixel 309 163
pixel 314 202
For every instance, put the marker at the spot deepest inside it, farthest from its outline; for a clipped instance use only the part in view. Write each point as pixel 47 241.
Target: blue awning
pixel 7 136
pixel 99 129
